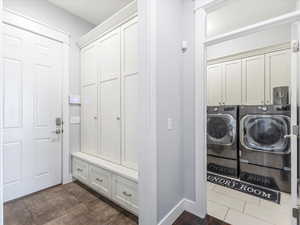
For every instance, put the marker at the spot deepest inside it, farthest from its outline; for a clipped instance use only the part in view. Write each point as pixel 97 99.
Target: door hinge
pixel 295 46
pixel 296 212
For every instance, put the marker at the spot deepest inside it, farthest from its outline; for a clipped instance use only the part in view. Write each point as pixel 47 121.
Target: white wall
pixel 188 98
pixel 169 77
pixel 275 36
pixel 236 14
pixel 43 11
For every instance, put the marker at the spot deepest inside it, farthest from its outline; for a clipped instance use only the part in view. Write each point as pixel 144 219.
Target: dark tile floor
pixel 70 204
pixel 189 219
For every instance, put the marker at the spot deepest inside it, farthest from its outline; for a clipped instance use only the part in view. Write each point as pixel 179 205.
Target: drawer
pixel 125 193
pixel 80 170
pixel 100 180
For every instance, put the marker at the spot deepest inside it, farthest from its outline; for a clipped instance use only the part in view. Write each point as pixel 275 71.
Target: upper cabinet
pixel 110 93
pixel 224 83
pixel 254 81
pixel 215 85
pixel 278 70
pixel 232 82
pixel 89 67
pixel 130 91
pixel 249 81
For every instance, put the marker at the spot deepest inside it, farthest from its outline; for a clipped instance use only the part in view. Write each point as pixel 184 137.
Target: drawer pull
pixel 126 194
pixel 99 180
pixel 79 170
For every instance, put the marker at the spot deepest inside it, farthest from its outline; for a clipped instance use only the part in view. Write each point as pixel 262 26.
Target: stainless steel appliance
pixel 281 95
pixel 222 140
pixel 264 147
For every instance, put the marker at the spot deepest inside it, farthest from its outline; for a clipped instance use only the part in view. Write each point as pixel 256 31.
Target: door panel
pixel 89 115
pixel 214 85
pixel 110 56
pixel 278 70
pixel 109 97
pixel 110 126
pixel 12 93
pixel 32 102
pixel 254 80
pixel 89 68
pixel 233 83
pixel 130 100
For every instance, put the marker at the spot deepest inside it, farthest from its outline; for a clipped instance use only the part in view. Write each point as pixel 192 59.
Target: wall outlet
pixel 170 124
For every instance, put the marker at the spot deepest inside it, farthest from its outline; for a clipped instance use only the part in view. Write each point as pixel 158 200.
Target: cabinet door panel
pixel 233 82
pixel 254 80
pixel 110 56
pixel 214 85
pixel 130 82
pixel 278 72
pixel 110 127
pixel 89 67
pixel 109 97
pixel 89 122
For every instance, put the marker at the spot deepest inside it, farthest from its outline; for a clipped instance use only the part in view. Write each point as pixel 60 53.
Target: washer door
pixel 266 133
pixel 221 129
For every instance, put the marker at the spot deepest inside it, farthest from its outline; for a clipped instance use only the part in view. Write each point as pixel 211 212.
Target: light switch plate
pixel 75 120
pixel 170 124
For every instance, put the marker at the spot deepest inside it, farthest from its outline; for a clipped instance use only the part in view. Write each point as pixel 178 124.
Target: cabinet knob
pixel 99 180
pixel 95 117
pixel 118 118
pixel 127 194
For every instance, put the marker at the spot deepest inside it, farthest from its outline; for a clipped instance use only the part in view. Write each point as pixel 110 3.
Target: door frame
pixel 23 22
pixel 201 44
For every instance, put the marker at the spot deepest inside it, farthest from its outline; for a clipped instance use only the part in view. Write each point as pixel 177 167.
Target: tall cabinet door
pixel 109 97
pixel 129 89
pixel 232 82
pixel 214 84
pixel 254 80
pixel 278 72
pixel 89 119
pixel 89 68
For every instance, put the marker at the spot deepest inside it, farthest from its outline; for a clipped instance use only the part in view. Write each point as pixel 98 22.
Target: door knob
pixel 57 131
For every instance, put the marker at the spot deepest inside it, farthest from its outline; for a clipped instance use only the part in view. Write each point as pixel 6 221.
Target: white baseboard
pixel 171 217
pixel 194 208
pixel 183 205
pixel 68 179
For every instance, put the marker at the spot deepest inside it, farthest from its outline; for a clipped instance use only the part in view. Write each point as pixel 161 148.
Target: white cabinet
pixel 224 83
pixel 254 80
pixel 80 170
pixel 232 83
pixel 125 193
pixel 89 119
pixel 110 99
pixel 89 68
pixel 249 81
pixel 130 90
pixel 278 70
pixel 113 181
pixel 215 85
pixel 100 180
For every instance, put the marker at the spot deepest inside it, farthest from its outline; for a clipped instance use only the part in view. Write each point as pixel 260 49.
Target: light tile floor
pixel 237 208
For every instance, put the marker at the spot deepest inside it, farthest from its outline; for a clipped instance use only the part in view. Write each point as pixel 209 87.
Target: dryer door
pixel 221 129
pixel 266 133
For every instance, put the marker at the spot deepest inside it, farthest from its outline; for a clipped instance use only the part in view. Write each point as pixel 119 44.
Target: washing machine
pixel 265 156
pixel 222 140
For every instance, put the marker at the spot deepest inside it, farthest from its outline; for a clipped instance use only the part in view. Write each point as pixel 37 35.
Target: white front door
pixel 32 67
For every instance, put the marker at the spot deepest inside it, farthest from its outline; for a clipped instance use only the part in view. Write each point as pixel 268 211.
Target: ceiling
pixel 93 11
pixel 239 13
